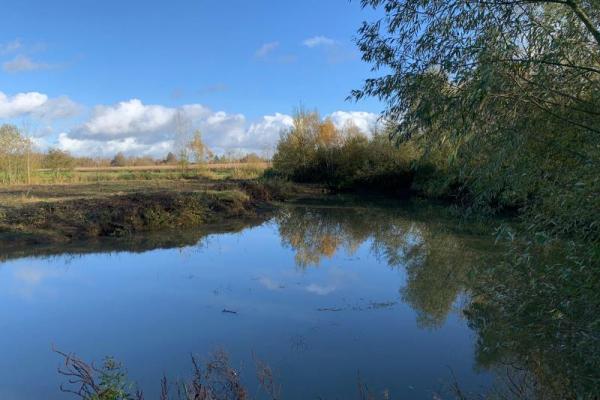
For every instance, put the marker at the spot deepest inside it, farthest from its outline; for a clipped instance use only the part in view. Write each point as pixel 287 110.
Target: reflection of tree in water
pixel 436 260
pixel 317 233
pixel 531 311
pixel 538 310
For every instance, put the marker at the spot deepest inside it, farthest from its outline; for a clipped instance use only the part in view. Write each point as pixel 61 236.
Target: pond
pixel 323 293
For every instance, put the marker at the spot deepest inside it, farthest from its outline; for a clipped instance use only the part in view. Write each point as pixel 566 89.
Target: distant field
pixel 212 172
pixel 174 167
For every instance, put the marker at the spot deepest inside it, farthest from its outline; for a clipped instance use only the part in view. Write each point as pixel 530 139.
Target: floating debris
pixel 329 309
pixel 385 304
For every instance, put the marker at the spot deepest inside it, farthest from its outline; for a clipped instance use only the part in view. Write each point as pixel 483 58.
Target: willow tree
pixel 507 91
pixel 505 95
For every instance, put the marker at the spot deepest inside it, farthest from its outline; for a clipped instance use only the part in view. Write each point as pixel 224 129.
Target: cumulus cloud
pixel 57 108
pixel 37 105
pixel 317 41
pixel 265 133
pixel 365 121
pixel 23 63
pixel 134 127
pixel 266 49
pixel 110 147
pixel 127 118
pixel 21 103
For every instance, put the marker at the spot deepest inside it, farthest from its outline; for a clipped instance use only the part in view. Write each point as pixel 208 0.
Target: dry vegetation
pixel 63 213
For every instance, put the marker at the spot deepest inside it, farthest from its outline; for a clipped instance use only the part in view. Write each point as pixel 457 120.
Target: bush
pixel 316 151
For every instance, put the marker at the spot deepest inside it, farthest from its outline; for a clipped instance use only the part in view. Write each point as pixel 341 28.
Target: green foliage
pixel 58 160
pixel 216 380
pixel 501 100
pixel 112 382
pixel 538 309
pixel 501 97
pixel 316 151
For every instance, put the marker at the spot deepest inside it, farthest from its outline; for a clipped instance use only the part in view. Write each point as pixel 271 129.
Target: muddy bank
pixel 124 215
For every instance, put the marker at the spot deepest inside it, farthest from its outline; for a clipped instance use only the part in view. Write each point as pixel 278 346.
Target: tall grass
pixel 90 175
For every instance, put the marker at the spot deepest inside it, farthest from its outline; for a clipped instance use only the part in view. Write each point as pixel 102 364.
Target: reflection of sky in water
pixel 315 326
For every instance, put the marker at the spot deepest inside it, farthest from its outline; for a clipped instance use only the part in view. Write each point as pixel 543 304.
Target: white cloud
pixel 265 133
pixel 137 128
pixel 56 108
pixel 335 51
pixel 37 105
pixel 319 41
pixel 21 103
pixel 134 126
pixel 265 49
pixel 365 121
pixel 127 118
pixel 23 63
pixel 9 47
pixel 109 148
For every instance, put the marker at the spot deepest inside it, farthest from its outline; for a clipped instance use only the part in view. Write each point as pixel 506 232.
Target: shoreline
pixel 105 211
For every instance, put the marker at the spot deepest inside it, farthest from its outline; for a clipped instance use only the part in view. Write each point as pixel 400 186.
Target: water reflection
pixel 345 288
pixel 186 239
pixel 530 309
pixel 435 258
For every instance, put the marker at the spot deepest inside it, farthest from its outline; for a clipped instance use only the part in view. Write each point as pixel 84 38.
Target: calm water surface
pixel 321 293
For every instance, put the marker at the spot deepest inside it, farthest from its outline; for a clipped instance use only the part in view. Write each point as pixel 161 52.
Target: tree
pixel 328 135
pixel 295 152
pixel 199 150
pixel 58 160
pixel 502 99
pixel 532 41
pixel 502 95
pixel 171 159
pixel 14 149
pixel 119 161
pixel 183 127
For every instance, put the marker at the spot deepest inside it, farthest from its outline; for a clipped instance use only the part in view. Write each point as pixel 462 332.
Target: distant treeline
pixel 20 161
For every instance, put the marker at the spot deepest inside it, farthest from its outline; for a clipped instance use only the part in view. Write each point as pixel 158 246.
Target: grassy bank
pixel 44 214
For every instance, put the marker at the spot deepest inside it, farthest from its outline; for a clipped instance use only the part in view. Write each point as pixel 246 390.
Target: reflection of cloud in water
pixel 336 278
pixel 29 278
pixel 321 290
pixel 269 283
pixel 33 276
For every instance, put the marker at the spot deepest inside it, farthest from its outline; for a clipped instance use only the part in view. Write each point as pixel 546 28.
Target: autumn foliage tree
pixel 315 150
pixel 198 148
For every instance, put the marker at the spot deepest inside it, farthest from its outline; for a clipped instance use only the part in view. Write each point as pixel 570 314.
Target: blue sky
pixel 227 64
